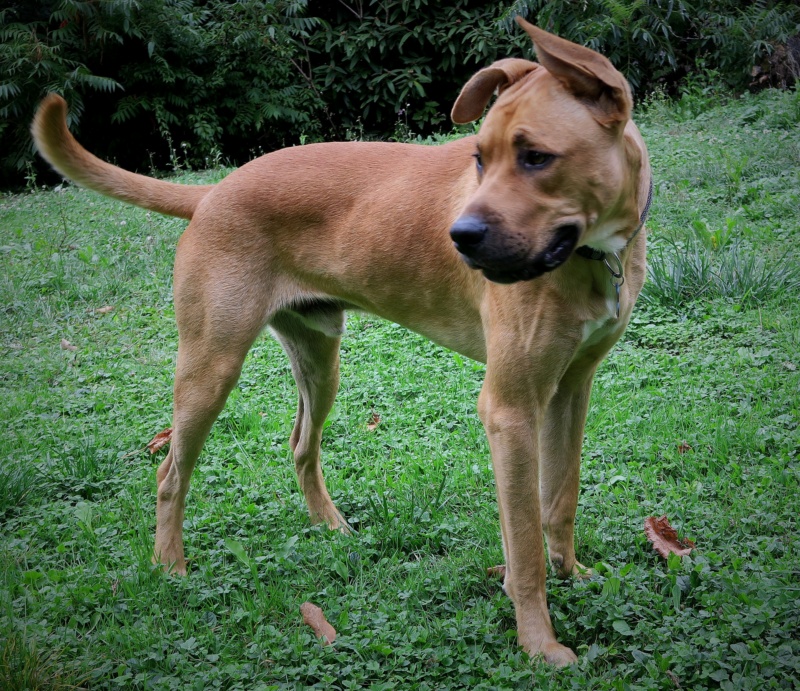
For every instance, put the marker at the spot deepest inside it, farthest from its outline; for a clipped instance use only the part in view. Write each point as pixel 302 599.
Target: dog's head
pixel 553 165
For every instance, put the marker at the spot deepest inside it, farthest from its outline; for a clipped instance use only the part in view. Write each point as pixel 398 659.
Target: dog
pixel 521 246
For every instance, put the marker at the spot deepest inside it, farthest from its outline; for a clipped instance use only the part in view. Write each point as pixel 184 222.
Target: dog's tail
pixel 60 149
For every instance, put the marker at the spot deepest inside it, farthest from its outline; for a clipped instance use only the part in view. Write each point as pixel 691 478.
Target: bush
pixel 191 81
pixel 185 80
pixel 31 67
pixel 681 273
pixel 390 67
pixel 654 42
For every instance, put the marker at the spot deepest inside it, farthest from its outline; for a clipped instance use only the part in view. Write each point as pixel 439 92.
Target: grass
pixel 694 415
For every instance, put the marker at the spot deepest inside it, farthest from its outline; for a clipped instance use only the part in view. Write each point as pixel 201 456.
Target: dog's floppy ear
pixel 587 74
pixel 475 95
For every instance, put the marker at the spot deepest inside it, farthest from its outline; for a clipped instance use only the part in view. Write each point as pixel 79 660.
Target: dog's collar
pixel 611 259
pixel 598 255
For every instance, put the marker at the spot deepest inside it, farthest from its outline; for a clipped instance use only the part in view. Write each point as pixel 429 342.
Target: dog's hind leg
pixel 311 338
pixel 203 380
pixel 217 324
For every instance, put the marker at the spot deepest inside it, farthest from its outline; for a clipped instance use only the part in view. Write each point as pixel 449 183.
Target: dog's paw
pixel 343 527
pixel 338 522
pixel 174 568
pixel 327 513
pixel 551 651
pixel 558 655
pixel 565 571
pixel 581 572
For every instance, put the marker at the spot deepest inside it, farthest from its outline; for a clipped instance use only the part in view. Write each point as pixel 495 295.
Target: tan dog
pixel 472 244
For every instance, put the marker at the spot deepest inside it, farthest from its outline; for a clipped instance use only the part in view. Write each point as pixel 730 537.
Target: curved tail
pixel 60 149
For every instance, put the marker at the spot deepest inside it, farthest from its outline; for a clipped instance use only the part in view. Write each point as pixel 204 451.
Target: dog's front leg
pixel 561 439
pixel 512 409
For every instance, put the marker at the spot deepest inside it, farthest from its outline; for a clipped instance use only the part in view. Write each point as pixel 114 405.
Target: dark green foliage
pixel 393 66
pixel 33 62
pixel 169 83
pixel 654 42
pixel 192 79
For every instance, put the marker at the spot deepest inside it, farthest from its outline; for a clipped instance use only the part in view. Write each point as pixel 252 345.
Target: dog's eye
pixel 535 160
pixel 478 161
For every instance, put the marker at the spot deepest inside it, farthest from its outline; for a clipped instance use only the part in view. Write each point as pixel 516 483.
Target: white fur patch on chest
pixel 595 329
pixel 606 238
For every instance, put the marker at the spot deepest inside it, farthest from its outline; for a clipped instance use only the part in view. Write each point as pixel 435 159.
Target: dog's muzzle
pixel 504 260
pixel 468 232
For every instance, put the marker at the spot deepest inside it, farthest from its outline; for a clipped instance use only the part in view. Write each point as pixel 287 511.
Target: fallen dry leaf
pixel 496 571
pixel 162 438
pixel 313 616
pixel 664 537
pixel 374 421
pixel 683 447
pixel 66 345
pixel 105 310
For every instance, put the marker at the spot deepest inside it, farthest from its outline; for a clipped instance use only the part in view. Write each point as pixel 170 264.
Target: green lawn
pixel 694 415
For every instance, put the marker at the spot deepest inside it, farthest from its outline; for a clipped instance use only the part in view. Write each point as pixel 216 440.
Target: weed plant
pixel 694 415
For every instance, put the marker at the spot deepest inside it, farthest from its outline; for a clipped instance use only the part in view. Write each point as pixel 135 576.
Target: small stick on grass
pixel 498 572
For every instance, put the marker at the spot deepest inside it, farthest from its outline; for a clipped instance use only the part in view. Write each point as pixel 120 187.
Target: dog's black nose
pixel 468 232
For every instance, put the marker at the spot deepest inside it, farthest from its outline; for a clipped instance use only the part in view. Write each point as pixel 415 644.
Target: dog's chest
pixel 596 330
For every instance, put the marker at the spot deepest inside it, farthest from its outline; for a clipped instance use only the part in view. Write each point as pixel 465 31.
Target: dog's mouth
pixel 500 269
pixel 505 274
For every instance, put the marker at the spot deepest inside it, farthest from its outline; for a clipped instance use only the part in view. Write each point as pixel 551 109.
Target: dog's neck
pixel 591 253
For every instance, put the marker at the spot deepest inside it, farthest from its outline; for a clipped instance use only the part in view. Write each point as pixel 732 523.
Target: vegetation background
pixel 694 415
pixel 207 82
